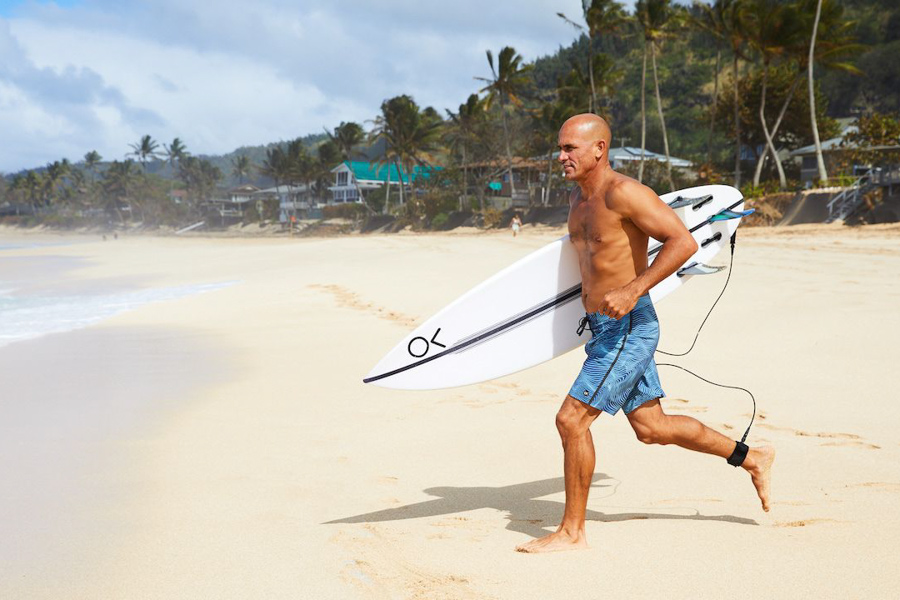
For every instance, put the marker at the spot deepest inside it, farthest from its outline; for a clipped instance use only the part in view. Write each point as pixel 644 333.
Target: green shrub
pixel 350 210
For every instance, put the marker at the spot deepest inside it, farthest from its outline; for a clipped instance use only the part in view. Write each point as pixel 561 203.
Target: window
pixel 342 178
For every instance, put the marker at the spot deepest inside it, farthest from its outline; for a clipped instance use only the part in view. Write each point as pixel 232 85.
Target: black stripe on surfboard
pixel 656 249
pixel 560 299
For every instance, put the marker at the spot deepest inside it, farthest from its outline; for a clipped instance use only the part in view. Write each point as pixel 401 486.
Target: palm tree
pixel 347 136
pixel 507 82
pixel 654 17
pixel 118 180
pixel 772 30
pixel 408 132
pixel 240 167
pixel 734 23
pixel 92 161
pixel 459 135
pixel 602 17
pixel 175 152
pixel 275 166
pixel 144 149
pixel 711 19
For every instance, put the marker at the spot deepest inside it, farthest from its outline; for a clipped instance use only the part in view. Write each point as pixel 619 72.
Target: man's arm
pixel 643 207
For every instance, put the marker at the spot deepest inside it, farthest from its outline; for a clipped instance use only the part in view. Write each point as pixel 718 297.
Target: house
pixel 623 155
pixel 353 179
pixel 833 152
pixel 528 175
pixel 291 200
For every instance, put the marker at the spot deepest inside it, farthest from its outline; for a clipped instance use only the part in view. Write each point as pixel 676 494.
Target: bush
pixel 492 218
pixel 351 210
pixel 439 220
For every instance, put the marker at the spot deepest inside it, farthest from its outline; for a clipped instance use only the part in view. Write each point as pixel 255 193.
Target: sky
pixel 81 75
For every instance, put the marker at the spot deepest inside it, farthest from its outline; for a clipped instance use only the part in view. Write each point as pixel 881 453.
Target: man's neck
pixel 594 180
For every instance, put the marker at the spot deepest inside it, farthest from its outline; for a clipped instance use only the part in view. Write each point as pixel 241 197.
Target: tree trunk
pixel 400 182
pixel 737 124
pixel 549 175
pixel 820 161
pixel 715 103
pixel 512 183
pixel 465 204
pixel 643 113
pixel 662 120
pixel 784 107
pixel 387 192
pixel 593 106
pixel 770 145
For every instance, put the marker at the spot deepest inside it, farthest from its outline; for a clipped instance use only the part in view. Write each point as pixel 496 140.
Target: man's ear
pixel 600 149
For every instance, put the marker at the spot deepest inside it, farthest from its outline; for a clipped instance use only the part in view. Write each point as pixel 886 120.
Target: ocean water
pixel 25 316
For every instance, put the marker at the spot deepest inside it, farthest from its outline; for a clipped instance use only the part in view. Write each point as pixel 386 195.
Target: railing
pixel 842 205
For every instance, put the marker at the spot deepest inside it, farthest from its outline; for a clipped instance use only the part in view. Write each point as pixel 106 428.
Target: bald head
pixel 589 127
pixel 583 143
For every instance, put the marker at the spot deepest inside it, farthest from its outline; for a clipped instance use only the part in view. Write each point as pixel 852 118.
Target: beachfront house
pixel 528 174
pixel 354 179
pixel 835 154
pixel 625 155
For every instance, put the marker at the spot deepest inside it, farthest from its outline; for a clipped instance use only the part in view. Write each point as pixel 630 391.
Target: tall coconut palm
pixel 241 167
pixel 92 161
pixel 505 86
pixel 602 17
pixel 820 161
pixel 118 181
pixel 347 136
pixel 711 19
pixel 772 28
pixel 276 166
pixel 174 152
pixel 459 134
pixel 408 133
pixel 734 21
pixel 654 18
pixel 145 149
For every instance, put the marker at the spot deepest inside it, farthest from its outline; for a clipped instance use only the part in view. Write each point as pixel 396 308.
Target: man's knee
pixel 574 418
pixel 653 432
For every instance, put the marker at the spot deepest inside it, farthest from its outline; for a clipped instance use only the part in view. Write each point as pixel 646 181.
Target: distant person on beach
pixel 515 224
pixel 611 217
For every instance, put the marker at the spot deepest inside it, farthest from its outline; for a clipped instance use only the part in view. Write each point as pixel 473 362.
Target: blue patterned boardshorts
pixel 619 371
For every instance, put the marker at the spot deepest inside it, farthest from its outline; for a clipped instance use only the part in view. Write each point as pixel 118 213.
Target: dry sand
pixel 224 446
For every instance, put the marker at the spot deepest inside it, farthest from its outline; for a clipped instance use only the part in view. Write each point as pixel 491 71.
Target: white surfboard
pixel 528 313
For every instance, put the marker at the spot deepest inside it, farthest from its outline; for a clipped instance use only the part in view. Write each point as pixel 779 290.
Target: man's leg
pixel 574 424
pixel 653 426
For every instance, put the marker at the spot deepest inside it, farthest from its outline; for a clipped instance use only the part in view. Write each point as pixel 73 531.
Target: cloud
pixel 224 74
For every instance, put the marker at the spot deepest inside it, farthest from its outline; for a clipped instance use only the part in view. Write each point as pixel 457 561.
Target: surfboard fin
pixel 695 203
pixel 726 214
pixel 696 268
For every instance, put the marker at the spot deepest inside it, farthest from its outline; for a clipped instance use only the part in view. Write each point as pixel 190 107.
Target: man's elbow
pixel 690 246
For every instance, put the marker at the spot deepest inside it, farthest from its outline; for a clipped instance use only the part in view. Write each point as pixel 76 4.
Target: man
pixel 610 219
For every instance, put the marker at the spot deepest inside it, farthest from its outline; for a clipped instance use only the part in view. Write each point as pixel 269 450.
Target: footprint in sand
pixel 347 299
pixel 854 444
pixel 804 522
pixel 881 486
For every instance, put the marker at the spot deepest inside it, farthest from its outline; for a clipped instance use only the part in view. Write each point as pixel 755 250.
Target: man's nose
pixel 562 156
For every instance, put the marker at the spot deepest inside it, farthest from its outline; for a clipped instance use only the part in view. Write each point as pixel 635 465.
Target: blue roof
pixel 364 170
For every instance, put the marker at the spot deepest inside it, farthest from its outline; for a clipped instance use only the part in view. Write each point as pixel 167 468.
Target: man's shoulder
pixel 624 192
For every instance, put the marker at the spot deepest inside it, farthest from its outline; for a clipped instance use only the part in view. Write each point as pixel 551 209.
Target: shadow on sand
pixel 526 514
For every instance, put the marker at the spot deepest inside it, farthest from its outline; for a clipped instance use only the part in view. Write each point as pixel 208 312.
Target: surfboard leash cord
pixel 697 336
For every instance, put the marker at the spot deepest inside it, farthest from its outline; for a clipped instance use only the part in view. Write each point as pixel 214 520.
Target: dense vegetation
pixel 724 84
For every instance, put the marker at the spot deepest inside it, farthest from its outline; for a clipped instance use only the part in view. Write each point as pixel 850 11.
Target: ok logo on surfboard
pixel 419 346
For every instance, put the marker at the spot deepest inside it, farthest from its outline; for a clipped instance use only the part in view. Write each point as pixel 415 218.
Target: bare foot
pixel 555 542
pixel 761 472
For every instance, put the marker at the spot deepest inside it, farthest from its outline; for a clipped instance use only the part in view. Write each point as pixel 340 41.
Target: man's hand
pixel 618 302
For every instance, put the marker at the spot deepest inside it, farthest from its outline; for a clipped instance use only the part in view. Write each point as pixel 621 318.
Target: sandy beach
pixel 222 444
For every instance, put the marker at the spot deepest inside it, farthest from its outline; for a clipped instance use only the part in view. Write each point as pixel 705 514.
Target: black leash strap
pixel 740 450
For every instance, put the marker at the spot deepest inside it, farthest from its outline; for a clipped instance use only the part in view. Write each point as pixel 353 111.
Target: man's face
pixel 577 154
